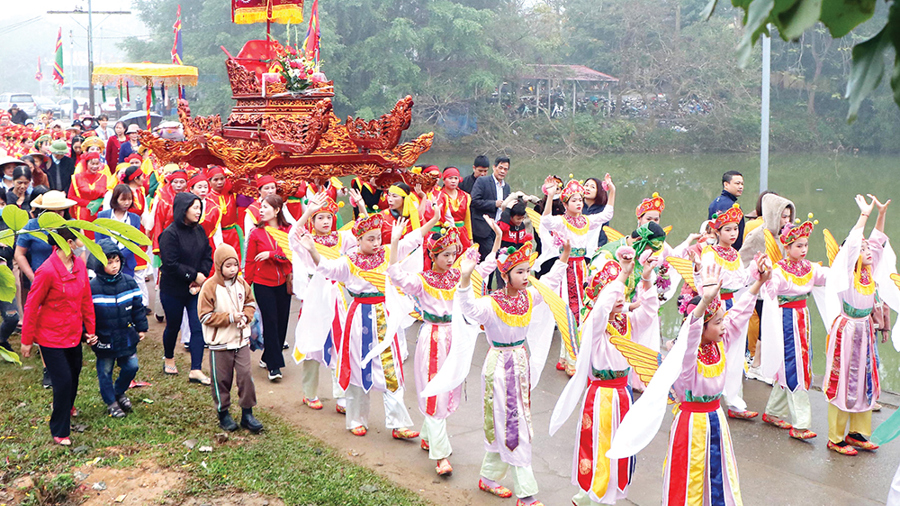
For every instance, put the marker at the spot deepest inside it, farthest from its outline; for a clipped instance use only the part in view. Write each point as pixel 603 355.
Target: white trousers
pixel 396 416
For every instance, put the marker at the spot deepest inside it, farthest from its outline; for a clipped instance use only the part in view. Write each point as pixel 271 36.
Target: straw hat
pixel 53 200
pixel 5 159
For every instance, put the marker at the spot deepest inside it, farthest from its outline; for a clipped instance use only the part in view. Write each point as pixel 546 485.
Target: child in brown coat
pixel 225 306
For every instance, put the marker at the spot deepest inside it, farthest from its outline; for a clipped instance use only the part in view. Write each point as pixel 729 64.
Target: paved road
pixel 774 469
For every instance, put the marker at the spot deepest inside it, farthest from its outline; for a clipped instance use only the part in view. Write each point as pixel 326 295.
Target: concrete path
pixel 774 469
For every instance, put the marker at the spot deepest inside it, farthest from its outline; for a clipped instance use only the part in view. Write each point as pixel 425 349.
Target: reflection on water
pixel 820 184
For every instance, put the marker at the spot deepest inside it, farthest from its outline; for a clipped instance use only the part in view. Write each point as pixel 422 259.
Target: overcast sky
pixel 27 31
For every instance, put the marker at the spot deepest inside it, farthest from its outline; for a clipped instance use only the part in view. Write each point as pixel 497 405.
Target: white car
pixel 47 104
pixel 24 100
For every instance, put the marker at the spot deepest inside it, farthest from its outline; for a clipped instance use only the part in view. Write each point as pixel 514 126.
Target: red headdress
pixel 655 203
pixel 199 177
pixel 573 187
pixel 722 218
pixel 511 257
pixel 90 156
pixel 790 234
pixel 330 207
pixel 134 157
pixel 214 171
pixel 450 172
pixel 363 225
pixel 264 180
pixel 448 237
pixel 604 272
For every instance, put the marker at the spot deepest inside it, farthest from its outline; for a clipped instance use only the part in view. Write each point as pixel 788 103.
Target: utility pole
pixel 764 123
pixel 90 45
pixel 71 67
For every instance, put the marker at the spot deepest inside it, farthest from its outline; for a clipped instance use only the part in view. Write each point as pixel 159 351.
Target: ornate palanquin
pixel 293 137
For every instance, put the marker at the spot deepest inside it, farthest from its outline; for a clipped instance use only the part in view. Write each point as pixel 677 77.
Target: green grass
pixel 282 462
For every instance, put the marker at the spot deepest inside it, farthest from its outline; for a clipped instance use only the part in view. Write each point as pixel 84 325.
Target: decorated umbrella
pixel 146 74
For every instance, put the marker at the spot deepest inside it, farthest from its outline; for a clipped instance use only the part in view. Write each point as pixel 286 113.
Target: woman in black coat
pixel 186 261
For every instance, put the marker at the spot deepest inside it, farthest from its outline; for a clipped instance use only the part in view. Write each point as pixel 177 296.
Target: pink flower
pixel 319 77
pixel 295 64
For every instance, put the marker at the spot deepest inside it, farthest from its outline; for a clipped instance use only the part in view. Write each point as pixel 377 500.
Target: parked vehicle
pixel 46 104
pixel 24 100
pixel 65 106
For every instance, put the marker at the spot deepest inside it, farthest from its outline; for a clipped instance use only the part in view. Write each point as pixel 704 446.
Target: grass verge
pixel 282 462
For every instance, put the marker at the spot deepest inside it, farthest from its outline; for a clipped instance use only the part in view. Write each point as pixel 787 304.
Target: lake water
pixel 821 184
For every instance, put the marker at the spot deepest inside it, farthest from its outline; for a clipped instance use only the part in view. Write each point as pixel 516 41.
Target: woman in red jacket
pixel 268 269
pixel 58 305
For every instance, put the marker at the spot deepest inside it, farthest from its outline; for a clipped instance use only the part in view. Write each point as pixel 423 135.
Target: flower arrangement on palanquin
pixel 291 134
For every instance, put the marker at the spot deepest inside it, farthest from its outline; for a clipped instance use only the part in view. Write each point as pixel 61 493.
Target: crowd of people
pixel 464 256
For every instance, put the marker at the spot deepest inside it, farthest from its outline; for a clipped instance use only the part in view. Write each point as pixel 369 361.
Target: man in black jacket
pixel 59 174
pixel 487 198
pixel 479 169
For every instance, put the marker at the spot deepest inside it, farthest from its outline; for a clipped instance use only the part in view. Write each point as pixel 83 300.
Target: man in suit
pixel 479 168
pixel 59 175
pixel 732 188
pixel 488 195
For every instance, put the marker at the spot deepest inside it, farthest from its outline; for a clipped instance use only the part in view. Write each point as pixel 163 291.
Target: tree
pixel 794 17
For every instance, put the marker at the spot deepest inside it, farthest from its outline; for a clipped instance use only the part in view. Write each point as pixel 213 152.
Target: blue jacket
pixel 118 308
pixel 722 203
pixel 129 261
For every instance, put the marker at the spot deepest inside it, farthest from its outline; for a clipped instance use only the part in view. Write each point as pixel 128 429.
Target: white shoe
pixel 262 364
pixel 754 373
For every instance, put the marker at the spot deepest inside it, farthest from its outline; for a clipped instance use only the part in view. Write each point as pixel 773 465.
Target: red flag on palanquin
pixel 259 11
pixel 40 75
pixel 311 43
pixel 176 46
pixel 58 64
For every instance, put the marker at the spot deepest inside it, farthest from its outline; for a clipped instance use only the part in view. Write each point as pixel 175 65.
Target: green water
pixel 821 184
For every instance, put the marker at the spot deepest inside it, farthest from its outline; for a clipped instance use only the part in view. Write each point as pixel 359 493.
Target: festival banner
pixel 311 43
pixel 176 47
pixel 259 11
pixel 58 74
pixel 40 75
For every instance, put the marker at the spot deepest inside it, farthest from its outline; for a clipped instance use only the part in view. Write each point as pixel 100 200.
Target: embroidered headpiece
pixel 655 203
pixel 448 237
pixel 573 187
pixel 790 233
pixel 732 215
pixel 364 225
pixel 330 207
pixel 604 270
pixel 511 257
pixel 711 309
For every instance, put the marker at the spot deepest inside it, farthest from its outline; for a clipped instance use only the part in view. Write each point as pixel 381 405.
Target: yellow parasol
pixel 146 74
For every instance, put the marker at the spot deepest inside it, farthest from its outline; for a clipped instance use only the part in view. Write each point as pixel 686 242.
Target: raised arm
pixel 882 213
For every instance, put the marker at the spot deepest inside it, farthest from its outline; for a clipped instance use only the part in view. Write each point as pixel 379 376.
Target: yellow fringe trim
pixel 280 14
pixel 578 231
pixel 513 320
pixel 793 278
pixel 731 265
pixel 714 370
pixel 437 293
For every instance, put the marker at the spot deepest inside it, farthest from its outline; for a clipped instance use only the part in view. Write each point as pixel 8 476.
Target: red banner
pixel 260 11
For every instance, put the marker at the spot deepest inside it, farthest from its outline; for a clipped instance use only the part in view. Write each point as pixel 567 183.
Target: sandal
pixel 358 431
pixel 74 412
pixel 499 490
pixel 535 503
pixel 340 409
pixel 115 411
pixel 124 403
pixel 171 370
pixel 424 445
pixel 198 377
pixel 742 415
pixel 313 404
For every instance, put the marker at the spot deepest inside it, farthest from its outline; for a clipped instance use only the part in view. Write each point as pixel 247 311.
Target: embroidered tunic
pixel 576 229
pixel 365 325
pixel 851 374
pixel 734 275
pixel 506 374
pixel 789 323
